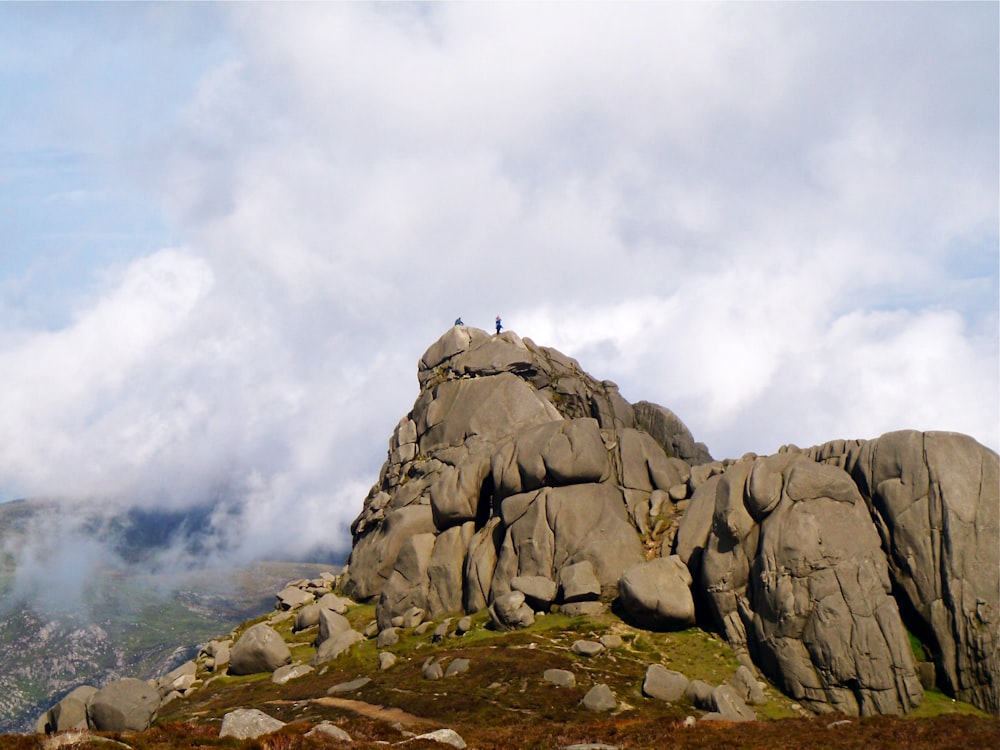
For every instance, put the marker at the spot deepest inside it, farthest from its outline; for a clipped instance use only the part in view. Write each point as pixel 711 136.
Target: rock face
pixel 796 578
pixel 520 483
pixel 514 465
pixel 935 500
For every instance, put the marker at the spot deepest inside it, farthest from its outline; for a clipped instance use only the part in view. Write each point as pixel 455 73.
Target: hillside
pixel 543 563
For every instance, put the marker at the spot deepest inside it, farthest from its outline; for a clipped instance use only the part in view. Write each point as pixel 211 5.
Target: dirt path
pixel 371 710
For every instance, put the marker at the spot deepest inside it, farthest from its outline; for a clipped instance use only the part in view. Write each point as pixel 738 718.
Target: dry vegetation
pixel 502 702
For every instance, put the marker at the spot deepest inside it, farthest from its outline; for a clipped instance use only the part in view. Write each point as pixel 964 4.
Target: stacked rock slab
pixel 796 578
pixel 935 500
pixel 513 463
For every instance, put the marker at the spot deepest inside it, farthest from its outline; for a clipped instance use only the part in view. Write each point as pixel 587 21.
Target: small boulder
pixel 289 672
pixel 248 724
pixel 560 677
pixel 444 736
pixel 656 594
pixel 386 660
pixel 260 649
pixel 664 684
pixel 457 667
pixel 730 705
pixel 307 617
pixel 747 686
pixel 387 638
pixel 510 611
pixel 579 582
pixel 334 646
pixel 123 706
pixel 699 693
pixel 587 648
pixel 292 597
pixel 600 698
pixel 349 686
pixel 540 592
pixel 326 729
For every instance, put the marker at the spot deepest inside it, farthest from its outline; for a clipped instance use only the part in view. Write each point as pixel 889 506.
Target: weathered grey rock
pixel 656 594
pixel 511 612
pixel 386 660
pixel 219 652
pixel 441 631
pixel 387 638
pixel 330 623
pixel 179 679
pixel 69 713
pixel 935 497
pixel 413 617
pixel 289 672
pixel 248 724
pixel 433 670
pixel 747 686
pixel 699 694
pixel 405 592
pixel 664 684
pixel 307 617
pixel 600 698
pixel 349 687
pixel 587 648
pixel 443 736
pixel 540 592
pixel 445 569
pixel 670 432
pixel 260 649
pixel 326 729
pixel 464 626
pixel 730 705
pixel 126 705
pixel 456 667
pixel 337 604
pixel 611 641
pixel 373 557
pixel 578 582
pixel 819 589
pixel 560 677
pixel 927 673
pixel 335 645
pixel 291 597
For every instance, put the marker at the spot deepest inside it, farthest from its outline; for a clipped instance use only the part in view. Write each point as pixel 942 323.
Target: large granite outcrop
pixel 515 471
pixel 514 463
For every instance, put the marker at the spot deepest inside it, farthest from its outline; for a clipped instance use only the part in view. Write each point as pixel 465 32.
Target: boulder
pixel 335 645
pixel 127 705
pixel 289 672
pixel 578 582
pixel 587 648
pixel 350 686
pixel 330 623
pixel 456 667
pixel 328 730
pixel 560 677
pixel 600 698
pixel 510 612
pixel 731 705
pixel 670 432
pixel 307 617
pixel 540 592
pixel 179 679
pixel 747 686
pixel 656 594
pixel 69 713
pixel 259 649
pixel 664 684
pixel 335 603
pixel 248 724
pixel 292 597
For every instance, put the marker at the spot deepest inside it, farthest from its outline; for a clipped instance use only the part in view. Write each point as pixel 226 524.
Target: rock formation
pixel 518 482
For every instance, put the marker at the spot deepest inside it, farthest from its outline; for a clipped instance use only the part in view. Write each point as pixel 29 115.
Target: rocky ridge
pixel 519 485
pixel 519 482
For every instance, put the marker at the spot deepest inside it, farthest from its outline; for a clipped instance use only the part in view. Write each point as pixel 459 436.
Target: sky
pixel 229 231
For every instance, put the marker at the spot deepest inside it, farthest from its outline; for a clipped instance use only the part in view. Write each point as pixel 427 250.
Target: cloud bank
pixel 780 221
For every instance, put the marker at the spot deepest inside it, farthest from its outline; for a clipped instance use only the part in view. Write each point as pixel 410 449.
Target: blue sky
pixel 228 231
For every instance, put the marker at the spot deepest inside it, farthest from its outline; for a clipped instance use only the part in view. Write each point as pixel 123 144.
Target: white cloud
pixel 779 221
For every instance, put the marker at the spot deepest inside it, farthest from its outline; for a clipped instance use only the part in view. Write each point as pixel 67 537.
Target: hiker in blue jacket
pixel 499 325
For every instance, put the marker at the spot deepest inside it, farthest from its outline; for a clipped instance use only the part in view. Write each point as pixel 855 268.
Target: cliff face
pixel 519 478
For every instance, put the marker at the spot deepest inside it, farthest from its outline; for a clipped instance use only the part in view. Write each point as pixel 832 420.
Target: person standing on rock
pixel 499 325
pixel 458 321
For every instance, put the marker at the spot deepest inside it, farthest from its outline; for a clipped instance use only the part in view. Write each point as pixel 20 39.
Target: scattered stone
pixel 747 686
pixel 464 626
pixel 413 617
pixel 335 603
pixel 387 638
pixel 371 629
pixel 292 597
pixel 611 641
pixel 587 648
pixel 511 612
pixel 560 677
pixel 699 693
pixel 350 686
pixel 330 624
pixel 444 736
pixel 432 670
pixel 730 705
pixel 540 592
pixel 689 721
pixel 928 675
pixel 664 684
pixel 179 679
pixel 336 645
pixel 248 724
pixel 386 660
pixel 289 672
pixel 260 649
pixel 456 667
pixel 441 631
pixel 327 729
pixel 306 617
pixel 600 698
pixel 422 628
